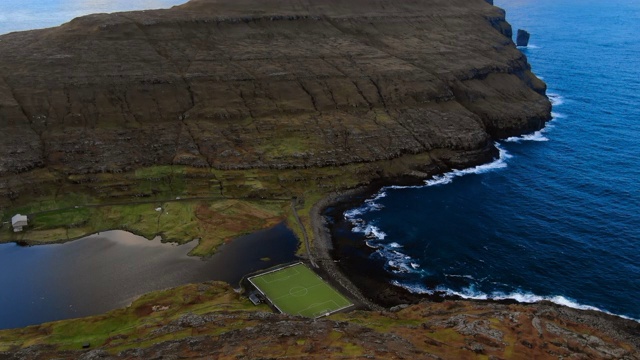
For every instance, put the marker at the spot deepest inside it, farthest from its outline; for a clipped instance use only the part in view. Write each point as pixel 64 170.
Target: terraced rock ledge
pixel 238 114
pixel 225 104
pixel 268 85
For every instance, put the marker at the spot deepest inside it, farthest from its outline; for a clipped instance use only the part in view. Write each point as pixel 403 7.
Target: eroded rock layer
pixel 263 84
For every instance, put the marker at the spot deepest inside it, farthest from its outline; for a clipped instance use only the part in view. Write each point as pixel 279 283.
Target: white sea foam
pixel 381 194
pixel 396 261
pixel 354 216
pixel 351 214
pixel 556 99
pixel 369 205
pixel 529 46
pixel 446 178
pixel 405 186
pixel 374 232
pixel 472 294
pixel 398 267
pixel 539 135
pixel 413 288
pixel 535 136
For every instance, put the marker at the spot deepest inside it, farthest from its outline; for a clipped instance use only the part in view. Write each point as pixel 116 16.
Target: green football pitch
pixel 297 290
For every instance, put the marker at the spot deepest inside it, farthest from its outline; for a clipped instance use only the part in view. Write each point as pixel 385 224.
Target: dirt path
pixel 304 233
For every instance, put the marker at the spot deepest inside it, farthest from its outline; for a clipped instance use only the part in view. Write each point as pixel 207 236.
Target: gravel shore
pixel 322 246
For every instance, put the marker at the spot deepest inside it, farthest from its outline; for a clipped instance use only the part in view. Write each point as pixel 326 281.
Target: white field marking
pixel 316 305
pixel 272 271
pixel 275 278
pixel 272 301
pixel 289 293
pixel 336 293
pixel 266 297
pixel 299 291
pixel 334 311
pixel 322 312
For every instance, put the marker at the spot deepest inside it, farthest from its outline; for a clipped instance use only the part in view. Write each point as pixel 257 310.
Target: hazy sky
pixel 18 15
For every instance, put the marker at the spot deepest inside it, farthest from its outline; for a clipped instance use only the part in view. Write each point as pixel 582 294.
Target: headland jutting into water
pixel 235 115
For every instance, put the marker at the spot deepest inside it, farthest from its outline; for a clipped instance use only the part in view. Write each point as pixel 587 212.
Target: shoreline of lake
pixel 108 270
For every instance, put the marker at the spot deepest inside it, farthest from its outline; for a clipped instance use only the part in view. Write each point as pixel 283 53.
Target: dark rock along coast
pixel 408 88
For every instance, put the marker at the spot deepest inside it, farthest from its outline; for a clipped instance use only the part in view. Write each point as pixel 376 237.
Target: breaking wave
pixel 446 178
pixel 521 297
pixel 396 261
pixel 374 234
pixel 556 99
pixel 536 136
pixel 529 46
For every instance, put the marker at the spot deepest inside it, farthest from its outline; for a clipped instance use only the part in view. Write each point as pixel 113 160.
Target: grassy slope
pixel 245 201
pixel 452 329
pixel 181 203
pixel 123 328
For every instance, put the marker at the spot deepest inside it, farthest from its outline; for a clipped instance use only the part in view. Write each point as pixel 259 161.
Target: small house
pixel 255 298
pixel 18 222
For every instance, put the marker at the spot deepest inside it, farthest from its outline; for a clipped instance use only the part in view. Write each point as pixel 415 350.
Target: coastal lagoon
pixel 557 216
pixel 108 270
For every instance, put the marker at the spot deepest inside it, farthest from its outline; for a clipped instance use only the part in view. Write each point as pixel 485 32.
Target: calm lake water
pixel 557 217
pixel 108 270
pixel 16 15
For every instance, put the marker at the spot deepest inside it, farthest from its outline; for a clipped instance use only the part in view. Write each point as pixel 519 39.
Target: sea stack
pixel 522 39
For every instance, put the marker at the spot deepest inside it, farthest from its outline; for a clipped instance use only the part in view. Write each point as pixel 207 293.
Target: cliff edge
pixel 273 99
pixel 262 84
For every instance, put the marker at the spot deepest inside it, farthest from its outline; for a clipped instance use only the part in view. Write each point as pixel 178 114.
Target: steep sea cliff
pixel 276 85
pixel 552 219
pixel 265 102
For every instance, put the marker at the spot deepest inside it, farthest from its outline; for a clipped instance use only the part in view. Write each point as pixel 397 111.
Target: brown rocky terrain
pixel 261 84
pixel 247 99
pixel 210 321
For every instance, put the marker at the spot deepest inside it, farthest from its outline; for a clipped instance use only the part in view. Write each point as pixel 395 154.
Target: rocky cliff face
pixel 245 84
pixel 263 84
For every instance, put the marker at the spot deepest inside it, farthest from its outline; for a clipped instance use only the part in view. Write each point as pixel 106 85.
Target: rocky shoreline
pixel 379 295
pixel 256 100
pixel 376 293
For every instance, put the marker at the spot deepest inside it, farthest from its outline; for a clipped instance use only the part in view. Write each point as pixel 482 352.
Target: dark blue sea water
pixel 16 15
pixel 557 217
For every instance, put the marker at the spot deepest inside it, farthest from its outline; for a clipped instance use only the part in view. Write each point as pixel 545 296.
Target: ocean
pixel 557 216
pixel 18 15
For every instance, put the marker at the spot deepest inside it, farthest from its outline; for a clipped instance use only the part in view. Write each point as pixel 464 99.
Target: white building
pixel 18 222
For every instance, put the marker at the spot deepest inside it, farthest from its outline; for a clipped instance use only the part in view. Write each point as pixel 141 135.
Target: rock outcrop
pixel 263 84
pixel 446 330
pixel 522 38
